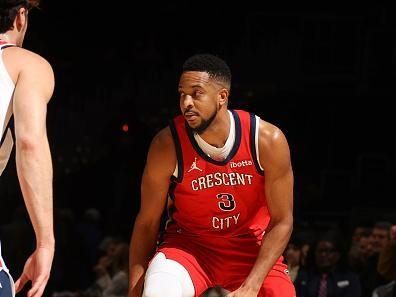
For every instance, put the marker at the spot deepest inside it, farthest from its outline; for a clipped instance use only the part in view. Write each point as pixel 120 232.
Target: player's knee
pixel 162 285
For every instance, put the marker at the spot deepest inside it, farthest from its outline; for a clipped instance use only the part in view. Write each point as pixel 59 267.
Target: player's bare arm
pixel 34 81
pixel 159 168
pixel 274 156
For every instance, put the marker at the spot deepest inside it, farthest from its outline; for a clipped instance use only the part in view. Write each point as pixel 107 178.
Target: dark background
pixel 325 76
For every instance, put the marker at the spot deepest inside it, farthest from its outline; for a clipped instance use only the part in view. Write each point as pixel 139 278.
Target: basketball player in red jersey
pixel 228 175
pixel 26 86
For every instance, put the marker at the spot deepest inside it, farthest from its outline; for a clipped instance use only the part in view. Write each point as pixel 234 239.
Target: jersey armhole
pixel 7 75
pixel 177 175
pixel 254 142
pixel 6 128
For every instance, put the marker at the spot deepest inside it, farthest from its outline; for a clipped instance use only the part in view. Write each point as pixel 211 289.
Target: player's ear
pixel 21 19
pixel 223 96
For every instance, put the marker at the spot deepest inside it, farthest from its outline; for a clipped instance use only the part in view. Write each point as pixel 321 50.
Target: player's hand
pixel 37 269
pixel 243 292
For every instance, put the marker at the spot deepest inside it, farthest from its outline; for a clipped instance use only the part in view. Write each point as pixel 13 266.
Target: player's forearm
pixel 34 168
pixel 142 247
pixel 274 243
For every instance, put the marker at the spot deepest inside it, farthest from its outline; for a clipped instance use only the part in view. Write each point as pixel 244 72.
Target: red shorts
pixel 226 263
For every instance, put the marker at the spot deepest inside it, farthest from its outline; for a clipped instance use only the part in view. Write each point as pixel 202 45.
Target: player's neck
pixel 217 132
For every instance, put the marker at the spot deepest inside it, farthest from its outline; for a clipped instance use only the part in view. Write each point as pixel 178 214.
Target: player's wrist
pixel 48 243
pixel 253 286
pixel 45 237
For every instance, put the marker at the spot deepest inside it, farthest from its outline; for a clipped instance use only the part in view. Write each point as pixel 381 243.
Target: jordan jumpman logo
pixel 194 166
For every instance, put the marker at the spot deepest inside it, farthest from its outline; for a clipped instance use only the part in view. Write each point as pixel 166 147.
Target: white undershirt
pixel 218 153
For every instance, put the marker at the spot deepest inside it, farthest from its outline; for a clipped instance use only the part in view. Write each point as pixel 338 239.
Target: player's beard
pixel 205 123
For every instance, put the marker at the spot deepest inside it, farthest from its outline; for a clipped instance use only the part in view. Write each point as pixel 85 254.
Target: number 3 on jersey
pixel 227 202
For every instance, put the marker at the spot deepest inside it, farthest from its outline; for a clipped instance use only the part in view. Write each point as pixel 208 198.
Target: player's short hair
pixel 9 10
pixel 213 65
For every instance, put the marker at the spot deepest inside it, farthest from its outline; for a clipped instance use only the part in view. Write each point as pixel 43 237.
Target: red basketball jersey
pixel 218 198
